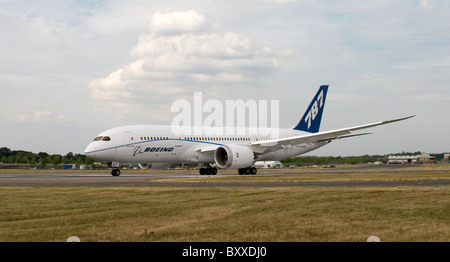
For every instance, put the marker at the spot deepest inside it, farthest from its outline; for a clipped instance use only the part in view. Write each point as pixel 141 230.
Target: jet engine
pixel 233 156
pixel 154 166
pixel 145 166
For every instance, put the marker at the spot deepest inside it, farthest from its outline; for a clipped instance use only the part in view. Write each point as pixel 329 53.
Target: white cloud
pixel 182 53
pixel 21 118
pixel 221 78
pixel 177 22
pixel 110 88
pixel 39 116
pixel 427 4
pixel 200 52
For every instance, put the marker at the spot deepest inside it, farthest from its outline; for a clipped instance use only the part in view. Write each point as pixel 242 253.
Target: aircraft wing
pixel 207 149
pixel 263 146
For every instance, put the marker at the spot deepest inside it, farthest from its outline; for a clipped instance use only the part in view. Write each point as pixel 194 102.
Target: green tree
pixel 33 161
pixel 22 159
pixel 79 162
pixel 56 160
pixel 43 161
pixel 4 151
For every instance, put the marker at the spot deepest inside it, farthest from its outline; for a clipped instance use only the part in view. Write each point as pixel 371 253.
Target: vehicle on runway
pixel 154 146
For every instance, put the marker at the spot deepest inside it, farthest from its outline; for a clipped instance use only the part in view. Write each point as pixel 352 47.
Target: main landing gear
pixel 208 171
pixel 115 172
pixel 242 171
pixel 213 171
pixel 247 171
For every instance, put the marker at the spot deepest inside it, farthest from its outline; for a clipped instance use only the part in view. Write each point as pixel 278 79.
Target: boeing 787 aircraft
pixel 155 146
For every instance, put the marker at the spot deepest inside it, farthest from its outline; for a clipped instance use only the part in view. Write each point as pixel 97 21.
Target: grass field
pixel 318 214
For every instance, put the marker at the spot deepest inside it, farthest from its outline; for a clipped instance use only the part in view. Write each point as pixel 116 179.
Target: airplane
pixel 156 146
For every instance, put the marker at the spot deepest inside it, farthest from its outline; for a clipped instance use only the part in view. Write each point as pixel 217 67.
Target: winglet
pixel 310 122
pixel 396 120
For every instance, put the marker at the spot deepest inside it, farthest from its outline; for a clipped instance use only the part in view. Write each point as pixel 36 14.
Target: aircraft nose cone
pixel 90 151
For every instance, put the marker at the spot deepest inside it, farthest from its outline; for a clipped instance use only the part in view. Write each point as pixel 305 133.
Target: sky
pixel 72 69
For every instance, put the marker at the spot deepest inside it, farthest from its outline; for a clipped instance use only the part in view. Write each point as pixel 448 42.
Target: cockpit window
pixel 102 138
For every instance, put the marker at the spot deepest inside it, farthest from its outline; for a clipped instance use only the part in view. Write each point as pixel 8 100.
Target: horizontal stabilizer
pixel 363 134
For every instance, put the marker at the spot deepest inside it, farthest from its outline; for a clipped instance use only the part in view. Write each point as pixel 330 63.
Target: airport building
pixel 423 158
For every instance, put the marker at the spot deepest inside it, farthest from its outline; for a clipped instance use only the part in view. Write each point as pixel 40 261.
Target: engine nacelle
pixel 154 166
pixel 233 156
pixel 145 166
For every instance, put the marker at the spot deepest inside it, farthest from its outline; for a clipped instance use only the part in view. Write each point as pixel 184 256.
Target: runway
pixel 172 179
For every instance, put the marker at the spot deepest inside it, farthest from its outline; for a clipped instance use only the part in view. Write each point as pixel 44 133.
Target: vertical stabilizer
pixel 310 122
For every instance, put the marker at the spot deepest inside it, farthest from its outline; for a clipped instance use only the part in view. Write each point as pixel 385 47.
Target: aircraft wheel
pixel 253 170
pixel 208 171
pixel 115 172
pixel 241 171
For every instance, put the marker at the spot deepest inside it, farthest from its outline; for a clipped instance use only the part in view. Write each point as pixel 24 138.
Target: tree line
pixel 332 160
pixel 19 158
pixel 348 160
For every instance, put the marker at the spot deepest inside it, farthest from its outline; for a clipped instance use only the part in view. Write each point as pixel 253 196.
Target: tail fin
pixel 310 121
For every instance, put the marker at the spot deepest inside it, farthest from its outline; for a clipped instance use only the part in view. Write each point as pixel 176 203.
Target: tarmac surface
pixel 163 179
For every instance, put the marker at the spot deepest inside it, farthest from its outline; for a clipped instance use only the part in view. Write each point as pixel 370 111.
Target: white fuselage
pixel 159 144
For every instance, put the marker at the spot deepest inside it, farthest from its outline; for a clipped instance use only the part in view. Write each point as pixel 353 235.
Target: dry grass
pixel 342 173
pixel 319 214
pixel 225 214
